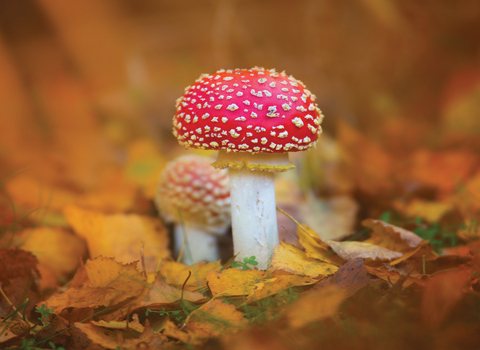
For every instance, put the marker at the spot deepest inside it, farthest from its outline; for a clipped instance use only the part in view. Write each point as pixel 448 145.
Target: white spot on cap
pixel 253 115
pixel 254 140
pixel 301 109
pixel 286 107
pixel 243 146
pixel 267 93
pixel 234 133
pixel 298 122
pixel 262 80
pixel 273 133
pixel 216 129
pixel 283 134
pixel 239 93
pixel 306 139
pixel 217 107
pixel 205 116
pixel 228 78
pixel 263 140
pixel 272 112
pixel 233 107
pixel 199 130
pixel 215 119
pixel 272 84
pixel 273 145
pixel 241 119
pixel 195 119
pixel 224 119
pixel 247 102
pixel 308 116
pixel 249 134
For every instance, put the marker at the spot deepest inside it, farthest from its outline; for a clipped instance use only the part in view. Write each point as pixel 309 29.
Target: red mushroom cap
pixel 201 192
pixel 247 110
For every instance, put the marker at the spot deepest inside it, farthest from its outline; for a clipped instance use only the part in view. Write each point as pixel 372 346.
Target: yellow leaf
pixel 315 306
pixel 109 283
pixel 215 318
pixel 233 282
pixel 172 331
pixel 120 235
pixel 289 258
pixel 176 274
pixel 277 283
pixel 135 325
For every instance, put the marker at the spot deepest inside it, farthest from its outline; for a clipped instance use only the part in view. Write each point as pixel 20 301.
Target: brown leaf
pixel 393 276
pixel 350 278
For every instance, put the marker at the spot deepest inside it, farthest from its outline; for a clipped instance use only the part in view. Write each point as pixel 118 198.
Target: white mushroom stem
pixel 254 216
pixel 200 245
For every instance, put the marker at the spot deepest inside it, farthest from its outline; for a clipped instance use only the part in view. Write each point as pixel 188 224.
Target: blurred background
pixel 88 89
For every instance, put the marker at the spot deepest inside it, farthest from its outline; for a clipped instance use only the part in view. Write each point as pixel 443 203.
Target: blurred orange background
pixel 87 88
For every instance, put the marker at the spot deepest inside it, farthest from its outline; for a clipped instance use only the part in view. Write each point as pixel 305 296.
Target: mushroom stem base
pixel 201 245
pixel 254 216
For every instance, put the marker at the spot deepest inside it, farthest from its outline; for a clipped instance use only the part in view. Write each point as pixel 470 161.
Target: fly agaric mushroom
pixel 253 117
pixel 190 185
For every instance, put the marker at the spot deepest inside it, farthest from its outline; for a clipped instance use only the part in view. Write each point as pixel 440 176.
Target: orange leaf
pixel 315 306
pixel 441 294
pixel 215 318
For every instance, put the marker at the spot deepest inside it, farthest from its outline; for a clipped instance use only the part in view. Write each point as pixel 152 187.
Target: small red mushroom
pixel 191 185
pixel 253 117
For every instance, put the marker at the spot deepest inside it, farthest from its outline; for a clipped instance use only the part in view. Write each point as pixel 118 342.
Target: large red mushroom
pixel 254 118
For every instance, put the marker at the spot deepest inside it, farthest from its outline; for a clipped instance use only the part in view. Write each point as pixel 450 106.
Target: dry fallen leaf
pixel 109 283
pixel 315 306
pixel 233 282
pixel 390 236
pixel 353 250
pixel 176 274
pixel 120 235
pixel 214 318
pixel 287 257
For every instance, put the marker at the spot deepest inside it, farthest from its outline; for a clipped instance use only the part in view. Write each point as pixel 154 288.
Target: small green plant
pixel 46 314
pixel 245 263
pixel 178 315
pixel 53 346
pixel 438 236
